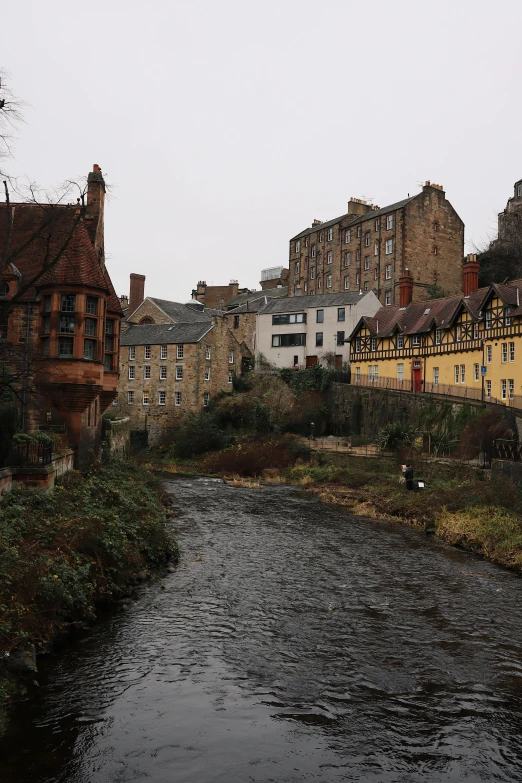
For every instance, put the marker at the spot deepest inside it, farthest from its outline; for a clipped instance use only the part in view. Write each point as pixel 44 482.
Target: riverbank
pixel 66 553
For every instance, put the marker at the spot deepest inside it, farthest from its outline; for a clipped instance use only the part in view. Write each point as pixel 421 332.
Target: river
pixel 293 642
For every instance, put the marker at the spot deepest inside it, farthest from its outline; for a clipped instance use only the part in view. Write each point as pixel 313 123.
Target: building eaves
pixel 165 334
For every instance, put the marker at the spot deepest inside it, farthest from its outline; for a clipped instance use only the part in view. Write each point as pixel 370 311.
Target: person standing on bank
pixel 407 471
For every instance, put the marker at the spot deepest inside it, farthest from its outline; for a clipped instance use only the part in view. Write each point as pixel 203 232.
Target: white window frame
pixel 207 373
pixel 387 298
pixel 162 398
pixel 400 341
pixel 328 281
pixel 146 372
pixel 457 373
pixel 488 388
pixel 132 352
pixel 312 273
pixel 475 331
pixel 231 356
pixel 147 352
pixel 370 373
pixel 366 239
pixel 207 352
pixel 347 257
pixel 366 262
pixel 388 247
pixel 146 398
pixel 376 249
pixel 347 237
pixel 130 398
pixel 329 257
pixel 503 389
pixel 163 352
pixel 373 344
pixel 357 345
pixel 415 340
pixel 179 351
pixel 297 245
pixel 389 222
pixel 329 234
pixel 463 373
pixel 375 372
pixel 179 372
pixel 511 388
pixel 163 372
pixel 346 283
pixel 476 372
pixel 388 272
pixel 297 267
pixel 231 376
pixel 400 371
pixel 357 373
pixel 489 354
pixel 504 353
pixel 437 336
pixel 206 399
pixel 177 399
pixel 511 352
pixel 488 319
pixel 132 373
pixel 436 375
pixel 313 251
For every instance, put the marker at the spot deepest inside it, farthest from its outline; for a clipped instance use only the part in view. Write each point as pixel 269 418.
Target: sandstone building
pixel 370 248
pixel 510 220
pixel 60 314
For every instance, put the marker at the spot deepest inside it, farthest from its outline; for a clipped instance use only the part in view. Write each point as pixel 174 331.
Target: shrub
pixel 482 431
pixel 252 456
pixel 396 434
pixel 201 433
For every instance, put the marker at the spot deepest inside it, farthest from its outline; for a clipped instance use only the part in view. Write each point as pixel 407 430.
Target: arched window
pixel 4 288
pixel 146 320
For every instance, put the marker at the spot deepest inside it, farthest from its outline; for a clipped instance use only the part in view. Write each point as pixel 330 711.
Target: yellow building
pixel 464 346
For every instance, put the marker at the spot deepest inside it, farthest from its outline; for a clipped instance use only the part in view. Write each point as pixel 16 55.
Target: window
pixel 357 373
pixel 132 352
pixel 46 303
pixel 163 372
pixel 475 331
pixel 457 373
pixel 287 340
pixel 296 361
pixel 458 333
pixel 358 254
pixel 416 339
pixel 328 281
pixel 46 324
pixel 320 236
pixel 68 303
pixel 357 279
pixel 306 241
pixel 387 298
pixel 488 388
pixel 179 352
pixel 373 344
pixel 346 283
pixel 329 234
pixel 67 324
pixel 511 388
pixel 341 313
pixel 347 258
pixel 91 305
pixel 487 319
pixel 206 398
pixel 207 373
pixel 388 272
pixel 312 273
pixel 297 245
pixel 366 262
pixel 504 353
pixel 329 257
pixel 319 283
pixel 163 352
pixel 145 397
pixel 207 352
pixel 65 346
pixel 435 226
pixel 319 316
pixel 311 292
pixel 89 326
pixel 435 250
pixel 437 336
pixel 375 372
pixel 400 372
pixel 511 352
pixel 297 267
pixel 489 354
pixel 347 236
pixel 376 249
pixel 162 398
pixel 231 357
pixel 230 376
pixel 358 345
pixel 318 338
pixel 367 239
pixel 503 387
pixel 389 222
pixel 147 352
pixel 463 373
pixel 400 341
pixel 146 372
pixel 435 376
pixel 377 224
pixel 89 347
pixel 109 326
pixel 132 373
pixel 476 373
pixel 179 372
pixel 107 362
pixel 340 338
pixel 289 318
pixel 130 397
pixel 312 251
pixel 370 372
pixel 389 246
pixel 366 285
pixel 236 322
pixel 376 273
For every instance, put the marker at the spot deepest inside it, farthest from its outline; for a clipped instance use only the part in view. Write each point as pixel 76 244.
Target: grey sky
pixel 226 127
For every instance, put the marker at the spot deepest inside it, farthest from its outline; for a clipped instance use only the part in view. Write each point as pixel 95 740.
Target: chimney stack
pixel 470 274
pixel 405 288
pixel 137 291
pixel 95 209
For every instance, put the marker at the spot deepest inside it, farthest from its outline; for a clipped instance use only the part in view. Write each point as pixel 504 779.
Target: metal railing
pixel 31 454
pixel 507 450
pixel 381 382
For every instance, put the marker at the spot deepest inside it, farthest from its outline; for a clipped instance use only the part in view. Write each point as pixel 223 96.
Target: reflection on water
pixel 293 643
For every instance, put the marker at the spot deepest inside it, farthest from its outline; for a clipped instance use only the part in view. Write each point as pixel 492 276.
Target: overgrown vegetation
pixel 65 552
pixel 256 454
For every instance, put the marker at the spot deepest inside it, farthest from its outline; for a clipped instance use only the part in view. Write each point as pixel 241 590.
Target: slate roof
pixel 181 312
pixel 164 334
pixel 250 296
pixel 252 306
pixel 38 233
pixel 297 304
pixel 354 219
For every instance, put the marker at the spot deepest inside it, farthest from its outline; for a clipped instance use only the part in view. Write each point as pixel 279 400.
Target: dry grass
pixel 494 532
pixel 240 481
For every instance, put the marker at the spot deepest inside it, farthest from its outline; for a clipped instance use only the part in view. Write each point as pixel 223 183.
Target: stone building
pixel 370 248
pixel 61 315
pixel 175 358
pixel 510 220
pixel 217 296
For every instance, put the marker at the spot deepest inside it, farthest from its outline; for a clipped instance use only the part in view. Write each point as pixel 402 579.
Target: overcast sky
pixel 225 127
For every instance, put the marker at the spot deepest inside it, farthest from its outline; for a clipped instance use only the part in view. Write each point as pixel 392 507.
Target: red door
pixel 416 379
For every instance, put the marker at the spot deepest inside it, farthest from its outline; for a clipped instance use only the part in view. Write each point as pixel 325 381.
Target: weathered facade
pixel 62 315
pixel 369 249
pixel 510 219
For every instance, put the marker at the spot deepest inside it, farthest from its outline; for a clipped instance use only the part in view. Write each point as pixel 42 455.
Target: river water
pixel 294 642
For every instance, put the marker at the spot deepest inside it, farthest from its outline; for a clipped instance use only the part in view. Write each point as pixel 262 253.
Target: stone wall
pixel 42 477
pixel 116 438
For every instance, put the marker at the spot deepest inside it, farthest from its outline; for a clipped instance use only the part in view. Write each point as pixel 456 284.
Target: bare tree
pixel 11 116
pixel 502 259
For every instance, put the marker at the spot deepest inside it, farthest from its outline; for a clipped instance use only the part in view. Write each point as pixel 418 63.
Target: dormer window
pixel 507 317
pixel 400 341
pixel 415 339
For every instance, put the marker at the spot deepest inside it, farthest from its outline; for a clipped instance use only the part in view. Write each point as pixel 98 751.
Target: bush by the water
pixel 257 453
pixel 198 435
pixel 82 543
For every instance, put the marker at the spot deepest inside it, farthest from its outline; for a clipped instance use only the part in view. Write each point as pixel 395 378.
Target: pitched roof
pixel 164 334
pixel 39 232
pixel 180 312
pixel 296 304
pixel 250 296
pixel 354 219
pixel 252 306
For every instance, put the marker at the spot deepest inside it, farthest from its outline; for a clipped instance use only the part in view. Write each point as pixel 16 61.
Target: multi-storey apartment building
pixel 369 249
pixel 174 359
pixel 464 346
